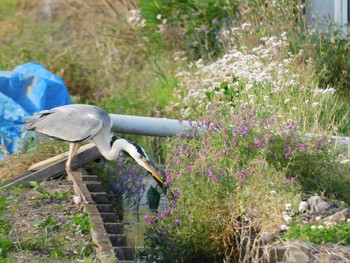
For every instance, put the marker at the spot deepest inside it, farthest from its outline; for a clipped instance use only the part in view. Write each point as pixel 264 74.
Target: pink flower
pixel 301 147
pixel 257 143
pixel 287 152
pixel 149 219
pixel 189 169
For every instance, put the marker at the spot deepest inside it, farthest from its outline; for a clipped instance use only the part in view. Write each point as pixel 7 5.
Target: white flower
pixel 320 227
pixel 288 219
pixel 324 91
pixel 288 206
pixel 159 16
pixel 313 227
pixel 348 220
pixel 315 104
pixel 318 218
pixel 273 192
pixel 284 227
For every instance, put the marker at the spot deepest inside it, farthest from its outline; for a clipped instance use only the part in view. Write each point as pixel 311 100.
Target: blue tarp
pixel 27 89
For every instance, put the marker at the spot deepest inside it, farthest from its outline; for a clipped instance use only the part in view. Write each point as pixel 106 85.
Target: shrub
pixel 194 24
pixel 333 60
pixel 231 184
pixel 222 191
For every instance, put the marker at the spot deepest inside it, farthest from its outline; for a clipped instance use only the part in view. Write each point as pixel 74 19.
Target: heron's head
pixel 141 157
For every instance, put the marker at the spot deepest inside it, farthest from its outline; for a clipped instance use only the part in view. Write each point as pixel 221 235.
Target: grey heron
pixel 80 123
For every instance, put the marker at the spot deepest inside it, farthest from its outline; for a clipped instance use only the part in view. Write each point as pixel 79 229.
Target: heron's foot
pixel 78 200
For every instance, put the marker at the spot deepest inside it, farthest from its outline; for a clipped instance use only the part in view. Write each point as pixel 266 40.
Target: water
pixel 135 220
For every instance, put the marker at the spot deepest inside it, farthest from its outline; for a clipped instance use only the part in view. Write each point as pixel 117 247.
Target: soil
pixel 43 228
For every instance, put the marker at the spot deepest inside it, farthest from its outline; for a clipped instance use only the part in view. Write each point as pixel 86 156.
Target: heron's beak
pixel 154 173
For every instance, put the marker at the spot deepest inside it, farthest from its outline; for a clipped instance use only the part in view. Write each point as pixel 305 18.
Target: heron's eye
pixel 143 158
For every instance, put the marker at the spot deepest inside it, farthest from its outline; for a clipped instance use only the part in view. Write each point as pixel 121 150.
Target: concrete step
pixel 104 208
pixel 114 228
pixel 118 240
pixel 110 218
pixel 88 177
pixel 124 253
pixel 94 186
pixel 100 197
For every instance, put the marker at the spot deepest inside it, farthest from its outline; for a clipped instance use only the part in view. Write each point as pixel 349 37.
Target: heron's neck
pixel 113 152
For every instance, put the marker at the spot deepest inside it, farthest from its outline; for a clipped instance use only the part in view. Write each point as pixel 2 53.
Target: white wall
pixel 321 13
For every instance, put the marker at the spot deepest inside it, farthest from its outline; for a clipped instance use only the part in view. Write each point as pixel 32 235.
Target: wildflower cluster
pixel 267 75
pixel 240 71
pixel 216 178
pixel 135 19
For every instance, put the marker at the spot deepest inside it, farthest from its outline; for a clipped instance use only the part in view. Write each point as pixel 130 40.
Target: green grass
pixel 8 8
pixel 321 233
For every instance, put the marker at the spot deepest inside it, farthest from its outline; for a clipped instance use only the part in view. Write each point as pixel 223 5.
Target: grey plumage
pixel 79 123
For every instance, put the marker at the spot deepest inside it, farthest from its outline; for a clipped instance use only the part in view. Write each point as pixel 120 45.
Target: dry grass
pixel 17 164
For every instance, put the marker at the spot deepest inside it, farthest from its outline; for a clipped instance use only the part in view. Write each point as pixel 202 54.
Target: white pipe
pixel 149 126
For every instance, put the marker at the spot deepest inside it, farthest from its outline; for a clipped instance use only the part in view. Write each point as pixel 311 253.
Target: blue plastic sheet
pixel 27 89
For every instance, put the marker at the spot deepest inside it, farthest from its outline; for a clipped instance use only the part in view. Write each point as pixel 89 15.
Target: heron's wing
pixel 66 123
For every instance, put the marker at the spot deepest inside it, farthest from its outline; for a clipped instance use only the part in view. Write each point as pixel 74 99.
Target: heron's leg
pixel 73 148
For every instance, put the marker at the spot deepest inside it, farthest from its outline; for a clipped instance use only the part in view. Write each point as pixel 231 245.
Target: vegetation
pixel 321 233
pixel 256 74
pixel 61 233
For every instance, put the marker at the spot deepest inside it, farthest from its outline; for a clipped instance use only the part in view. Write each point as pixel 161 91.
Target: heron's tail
pixel 32 121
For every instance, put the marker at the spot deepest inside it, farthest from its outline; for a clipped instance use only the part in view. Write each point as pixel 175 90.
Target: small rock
pixel 266 238
pixel 295 255
pixel 320 207
pixel 340 216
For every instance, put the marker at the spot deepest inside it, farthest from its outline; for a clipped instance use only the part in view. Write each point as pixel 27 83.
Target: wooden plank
pixel 59 168
pixel 58 158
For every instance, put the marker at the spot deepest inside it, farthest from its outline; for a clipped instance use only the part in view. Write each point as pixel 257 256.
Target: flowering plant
pixel 219 182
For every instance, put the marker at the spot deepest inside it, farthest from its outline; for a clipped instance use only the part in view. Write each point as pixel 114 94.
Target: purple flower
pixel 215 22
pixel 149 219
pixel 212 176
pixel 257 142
pixel 176 193
pixel 320 141
pixel 287 151
pixel 163 214
pixel 289 180
pixel 301 147
pixel 235 132
pixel 244 130
pixel 242 173
pixel 271 121
pixel 189 168
pixel 291 126
pixel 170 178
